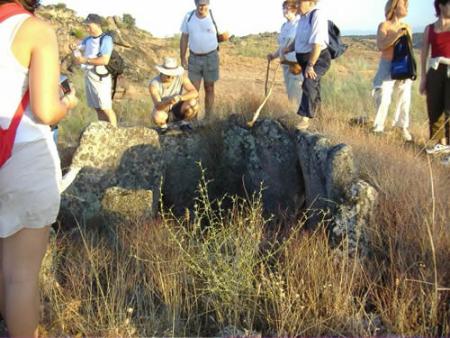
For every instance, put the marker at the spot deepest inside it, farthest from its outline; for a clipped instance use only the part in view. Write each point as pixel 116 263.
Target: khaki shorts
pixel 204 67
pixel 29 187
pixel 98 92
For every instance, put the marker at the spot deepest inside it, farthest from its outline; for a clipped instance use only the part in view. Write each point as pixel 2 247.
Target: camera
pixel 64 85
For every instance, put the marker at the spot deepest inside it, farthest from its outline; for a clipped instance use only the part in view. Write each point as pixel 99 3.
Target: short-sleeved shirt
pixel 315 32
pixel 91 47
pixel 202 33
pixel 175 88
pixel 287 35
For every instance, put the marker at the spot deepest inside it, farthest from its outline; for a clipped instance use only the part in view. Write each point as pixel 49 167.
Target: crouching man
pixel 174 96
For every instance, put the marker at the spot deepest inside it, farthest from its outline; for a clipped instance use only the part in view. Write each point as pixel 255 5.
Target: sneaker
pixel 438 149
pixel 446 161
pixel 303 124
pixel 406 135
pixel 377 131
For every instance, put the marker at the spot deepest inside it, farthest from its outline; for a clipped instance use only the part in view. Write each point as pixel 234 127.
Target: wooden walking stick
pixel 268 92
pixel 266 84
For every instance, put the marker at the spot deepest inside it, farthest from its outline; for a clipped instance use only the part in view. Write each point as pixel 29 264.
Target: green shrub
pixel 61 6
pixel 128 20
pixel 78 33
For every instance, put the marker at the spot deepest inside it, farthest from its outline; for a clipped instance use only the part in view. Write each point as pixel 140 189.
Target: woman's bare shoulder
pixel 36 29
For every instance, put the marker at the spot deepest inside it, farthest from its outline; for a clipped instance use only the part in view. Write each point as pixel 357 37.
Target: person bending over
pixel 173 94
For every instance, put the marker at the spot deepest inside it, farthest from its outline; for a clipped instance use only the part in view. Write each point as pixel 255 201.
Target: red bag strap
pixel 10 9
pixel 20 110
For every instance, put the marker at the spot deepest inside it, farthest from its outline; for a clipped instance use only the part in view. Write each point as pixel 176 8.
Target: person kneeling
pixel 173 94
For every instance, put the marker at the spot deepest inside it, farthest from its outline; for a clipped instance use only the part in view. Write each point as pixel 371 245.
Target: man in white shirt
pixel 199 33
pixel 313 56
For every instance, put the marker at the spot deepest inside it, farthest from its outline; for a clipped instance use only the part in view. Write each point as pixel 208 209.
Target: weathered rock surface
pixel 127 158
pixel 124 169
pixel 264 157
pixel 334 193
pixel 352 217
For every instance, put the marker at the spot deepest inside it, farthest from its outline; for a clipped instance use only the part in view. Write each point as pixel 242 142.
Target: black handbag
pixel 403 64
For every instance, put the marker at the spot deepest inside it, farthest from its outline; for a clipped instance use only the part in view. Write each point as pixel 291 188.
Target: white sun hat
pixel 170 67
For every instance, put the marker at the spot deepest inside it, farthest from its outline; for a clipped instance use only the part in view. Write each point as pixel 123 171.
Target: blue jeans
pixel 311 88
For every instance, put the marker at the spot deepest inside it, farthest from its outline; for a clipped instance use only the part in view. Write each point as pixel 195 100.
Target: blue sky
pixel 241 17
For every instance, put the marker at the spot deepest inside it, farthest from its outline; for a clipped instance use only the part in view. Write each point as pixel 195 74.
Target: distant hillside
pixel 417 38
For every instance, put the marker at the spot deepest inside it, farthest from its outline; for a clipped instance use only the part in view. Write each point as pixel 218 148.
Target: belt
pixel 202 54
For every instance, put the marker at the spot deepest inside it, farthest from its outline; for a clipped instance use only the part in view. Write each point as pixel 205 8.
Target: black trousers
pixel 438 101
pixel 311 99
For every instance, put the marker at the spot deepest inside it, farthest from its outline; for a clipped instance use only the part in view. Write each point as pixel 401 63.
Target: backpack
pixel 335 44
pixel 214 23
pixel 8 136
pixel 116 64
pixel 403 65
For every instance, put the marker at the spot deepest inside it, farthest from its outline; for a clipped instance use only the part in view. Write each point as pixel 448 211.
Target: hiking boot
pixel 303 124
pixel 406 135
pixel 438 149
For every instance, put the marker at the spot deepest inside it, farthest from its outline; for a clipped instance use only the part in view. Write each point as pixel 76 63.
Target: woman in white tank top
pixel 29 179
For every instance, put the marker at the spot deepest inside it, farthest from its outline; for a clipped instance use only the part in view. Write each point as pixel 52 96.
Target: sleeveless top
pixel 440 43
pixel 13 84
pixel 175 88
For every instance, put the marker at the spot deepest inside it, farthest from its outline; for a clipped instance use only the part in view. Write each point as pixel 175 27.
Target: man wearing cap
pixel 173 94
pixel 95 53
pixel 199 33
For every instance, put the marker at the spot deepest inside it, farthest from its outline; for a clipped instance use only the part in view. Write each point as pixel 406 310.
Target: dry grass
pixel 220 271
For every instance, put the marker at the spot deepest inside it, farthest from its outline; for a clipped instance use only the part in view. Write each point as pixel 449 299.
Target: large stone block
pixel 107 157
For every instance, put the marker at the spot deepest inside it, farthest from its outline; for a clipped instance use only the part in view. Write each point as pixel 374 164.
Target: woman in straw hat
pixel 389 32
pixel 173 94
pixel 293 77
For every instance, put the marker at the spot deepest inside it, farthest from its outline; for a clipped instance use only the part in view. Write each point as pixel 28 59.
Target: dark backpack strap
pixel 212 18
pixel 190 16
pixel 311 16
pixel 214 21
pixel 102 37
pixel 101 76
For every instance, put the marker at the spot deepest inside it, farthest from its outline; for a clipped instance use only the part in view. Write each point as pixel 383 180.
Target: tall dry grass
pixel 221 271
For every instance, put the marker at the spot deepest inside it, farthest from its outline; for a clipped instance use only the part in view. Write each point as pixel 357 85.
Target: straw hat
pixel 170 67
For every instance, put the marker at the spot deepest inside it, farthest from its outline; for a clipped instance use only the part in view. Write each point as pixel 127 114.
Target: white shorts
pixel 98 92
pixel 30 187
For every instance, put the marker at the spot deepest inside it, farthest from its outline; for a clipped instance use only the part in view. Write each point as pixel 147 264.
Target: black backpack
pixel 403 65
pixel 335 44
pixel 116 64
